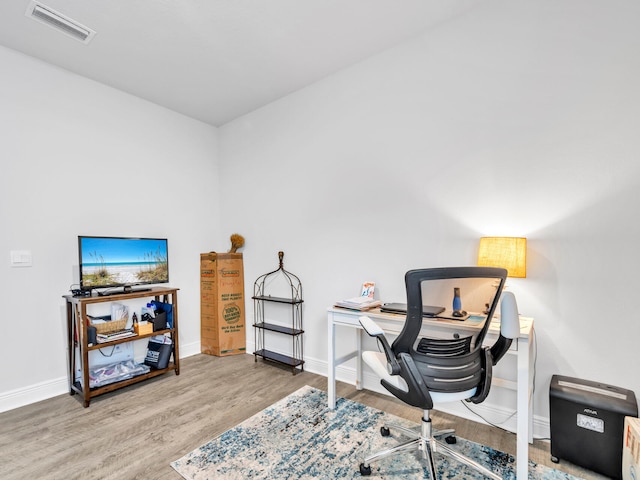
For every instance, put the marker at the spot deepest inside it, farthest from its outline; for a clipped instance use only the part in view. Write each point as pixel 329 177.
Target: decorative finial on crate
pixel 237 241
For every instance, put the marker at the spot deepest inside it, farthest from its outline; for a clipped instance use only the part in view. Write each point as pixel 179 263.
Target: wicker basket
pixel 111 326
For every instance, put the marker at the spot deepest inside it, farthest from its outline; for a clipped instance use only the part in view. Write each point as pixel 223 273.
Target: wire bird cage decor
pixel 286 309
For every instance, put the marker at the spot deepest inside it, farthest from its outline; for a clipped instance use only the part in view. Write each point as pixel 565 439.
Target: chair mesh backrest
pixel 441 347
pixel 446 365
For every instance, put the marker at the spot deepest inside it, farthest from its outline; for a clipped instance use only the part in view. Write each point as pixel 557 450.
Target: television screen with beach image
pixel 117 261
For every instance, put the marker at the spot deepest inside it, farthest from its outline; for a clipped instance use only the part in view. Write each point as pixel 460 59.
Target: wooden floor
pixel 135 432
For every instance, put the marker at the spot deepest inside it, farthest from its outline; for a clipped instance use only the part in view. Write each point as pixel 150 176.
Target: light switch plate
pixel 21 258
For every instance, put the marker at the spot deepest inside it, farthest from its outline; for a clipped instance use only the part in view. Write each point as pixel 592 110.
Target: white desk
pixel 439 328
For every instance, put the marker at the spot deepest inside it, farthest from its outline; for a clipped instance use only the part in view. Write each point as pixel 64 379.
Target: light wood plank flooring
pixel 135 432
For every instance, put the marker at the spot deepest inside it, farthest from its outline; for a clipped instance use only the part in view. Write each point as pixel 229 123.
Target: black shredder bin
pixel 587 423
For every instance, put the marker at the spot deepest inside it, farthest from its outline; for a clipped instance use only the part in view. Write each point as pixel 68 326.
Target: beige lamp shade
pixel 505 252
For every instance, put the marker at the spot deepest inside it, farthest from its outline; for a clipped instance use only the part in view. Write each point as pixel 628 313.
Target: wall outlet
pixel 21 258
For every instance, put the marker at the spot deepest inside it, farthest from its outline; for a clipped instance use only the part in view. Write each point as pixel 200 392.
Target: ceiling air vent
pixel 60 22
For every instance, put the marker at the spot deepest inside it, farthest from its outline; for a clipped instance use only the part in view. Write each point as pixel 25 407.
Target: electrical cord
pixel 496 425
pixel 533 389
pixel 113 349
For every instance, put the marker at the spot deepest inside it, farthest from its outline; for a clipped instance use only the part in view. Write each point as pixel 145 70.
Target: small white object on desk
pixel 359 303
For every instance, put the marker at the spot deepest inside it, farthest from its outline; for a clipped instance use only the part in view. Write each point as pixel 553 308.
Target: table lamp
pixel 505 252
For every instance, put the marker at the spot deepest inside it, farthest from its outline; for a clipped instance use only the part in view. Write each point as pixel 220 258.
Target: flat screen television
pixel 111 262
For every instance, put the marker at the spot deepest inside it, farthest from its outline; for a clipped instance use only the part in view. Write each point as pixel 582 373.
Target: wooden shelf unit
pixel 78 340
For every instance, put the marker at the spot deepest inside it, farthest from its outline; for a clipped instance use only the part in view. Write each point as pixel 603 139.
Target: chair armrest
pixel 418 393
pixel 374 330
pixel 482 391
pixel 509 326
pixel 371 327
pixel 509 318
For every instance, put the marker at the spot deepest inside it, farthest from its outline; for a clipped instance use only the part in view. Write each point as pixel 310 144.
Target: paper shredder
pixel 587 423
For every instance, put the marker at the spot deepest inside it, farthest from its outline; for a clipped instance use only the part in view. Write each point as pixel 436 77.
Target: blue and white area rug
pixel 299 437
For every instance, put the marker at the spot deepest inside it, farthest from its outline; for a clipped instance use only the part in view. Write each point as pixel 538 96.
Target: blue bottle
pixel 457 304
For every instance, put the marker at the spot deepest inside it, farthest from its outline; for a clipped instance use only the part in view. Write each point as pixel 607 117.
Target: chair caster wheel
pixel 555 459
pixel 384 431
pixel 451 439
pixel 365 470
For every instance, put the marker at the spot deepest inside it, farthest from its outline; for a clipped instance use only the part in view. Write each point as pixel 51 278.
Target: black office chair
pixel 427 371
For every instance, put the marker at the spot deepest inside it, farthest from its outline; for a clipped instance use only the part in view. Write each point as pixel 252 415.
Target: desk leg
pixel 359 359
pixel 524 414
pixel 331 359
pixel 530 344
pixel 71 346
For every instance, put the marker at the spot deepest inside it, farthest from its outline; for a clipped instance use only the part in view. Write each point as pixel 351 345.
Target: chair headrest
pixel 509 319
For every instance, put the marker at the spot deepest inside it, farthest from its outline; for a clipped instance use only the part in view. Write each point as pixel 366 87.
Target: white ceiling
pixel 215 60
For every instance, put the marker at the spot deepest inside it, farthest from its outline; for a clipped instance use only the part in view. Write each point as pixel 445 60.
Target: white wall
pixel 520 118
pixel 79 158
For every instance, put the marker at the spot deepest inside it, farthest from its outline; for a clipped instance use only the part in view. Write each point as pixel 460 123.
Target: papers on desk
pixel 358 303
pixel 364 302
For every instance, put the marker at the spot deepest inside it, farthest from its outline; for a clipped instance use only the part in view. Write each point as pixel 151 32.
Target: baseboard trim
pixel 189 349
pixel 59 386
pixel 33 393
